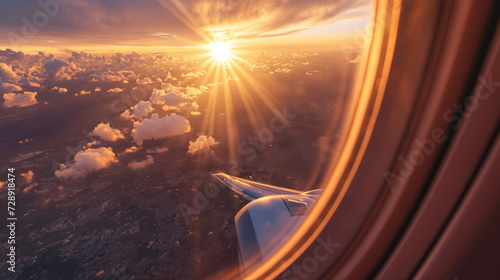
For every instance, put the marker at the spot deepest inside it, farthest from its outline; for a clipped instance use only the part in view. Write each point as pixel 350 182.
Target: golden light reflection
pixel 221 51
pixel 227 70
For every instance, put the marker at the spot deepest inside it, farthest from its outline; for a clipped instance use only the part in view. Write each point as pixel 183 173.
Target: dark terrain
pixel 170 220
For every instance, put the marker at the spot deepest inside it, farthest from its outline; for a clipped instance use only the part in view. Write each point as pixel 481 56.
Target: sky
pixel 121 25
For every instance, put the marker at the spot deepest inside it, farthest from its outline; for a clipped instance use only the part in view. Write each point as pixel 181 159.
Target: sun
pixel 221 51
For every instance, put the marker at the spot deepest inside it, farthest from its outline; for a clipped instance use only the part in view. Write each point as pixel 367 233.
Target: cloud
pixel 139 111
pixel 107 133
pixel 262 18
pixel 116 90
pixel 54 67
pixel 84 92
pixel 87 161
pixel 157 150
pixel 6 73
pixel 163 34
pixel 11 56
pixel 191 91
pixel 177 99
pixel 202 143
pixel 157 128
pixel 108 77
pixel 24 141
pixel 160 97
pixel 132 149
pixel 195 75
pixel 7 87
pixel 28 176
pixel 60 90
pixel 90 144
pixel 283 70
pixel 97 89
pixel 144 81
pixel 19 100
pixel 113 22
pixel 204 88
pixel 34 84
pixel 137 165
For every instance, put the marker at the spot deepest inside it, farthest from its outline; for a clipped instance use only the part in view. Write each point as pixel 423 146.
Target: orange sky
pixel 174 25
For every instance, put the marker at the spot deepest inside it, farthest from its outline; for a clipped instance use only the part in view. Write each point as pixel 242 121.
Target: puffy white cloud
pixel 136 165
pixel 30 79
pixel 195 105
pixel 107 133
pixel 191 91
pixel 33 84
pixel 157 128
pixel 27 98
pixel 87 161
pixel 172 98
pixel 12 56
pixel 139 111
pixel 97 89
pixel 54 67
pixel 8 87
pixel 193 108
pixel 116 90
pixel 177 99
pixel 202 143
pixel 6 73
pixel 83 92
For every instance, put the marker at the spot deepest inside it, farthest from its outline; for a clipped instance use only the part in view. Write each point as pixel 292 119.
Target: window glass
pixel 115 115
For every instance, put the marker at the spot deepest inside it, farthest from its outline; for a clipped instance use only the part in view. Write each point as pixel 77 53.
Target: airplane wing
pixel 266 223
pixel 251 190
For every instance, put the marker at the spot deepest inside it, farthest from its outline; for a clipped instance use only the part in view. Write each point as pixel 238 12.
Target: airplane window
pixel 167 139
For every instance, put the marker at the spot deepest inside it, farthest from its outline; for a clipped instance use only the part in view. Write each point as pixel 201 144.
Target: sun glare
pixel 220 51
